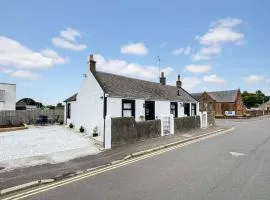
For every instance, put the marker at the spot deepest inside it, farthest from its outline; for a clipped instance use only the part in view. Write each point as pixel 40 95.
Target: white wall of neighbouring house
pixel 9 101
pixel 87 110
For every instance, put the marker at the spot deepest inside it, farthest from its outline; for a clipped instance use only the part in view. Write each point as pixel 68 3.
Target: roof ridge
pixel 222 91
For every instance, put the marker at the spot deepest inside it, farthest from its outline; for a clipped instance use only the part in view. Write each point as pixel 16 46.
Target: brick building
pixel 222 103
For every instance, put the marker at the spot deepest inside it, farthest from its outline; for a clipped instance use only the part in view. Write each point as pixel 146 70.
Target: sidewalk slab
pixel 50 171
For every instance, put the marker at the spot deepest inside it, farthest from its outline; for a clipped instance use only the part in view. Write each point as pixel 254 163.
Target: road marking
pixel 109 168
pixel 236 154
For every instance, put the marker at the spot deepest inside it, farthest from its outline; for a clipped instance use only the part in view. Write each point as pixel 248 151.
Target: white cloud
pixel 129 69
pixel 255 78
pixel 206 52
pixel 198 68
pixel 190 82
pixel 213 79
pixel 63 43
pixel 220 32
pixel 182 50
pixel 12 53
pixel 5 70
pixel 70 34
pixel 25 74
pixel 68 40
pixel 134 48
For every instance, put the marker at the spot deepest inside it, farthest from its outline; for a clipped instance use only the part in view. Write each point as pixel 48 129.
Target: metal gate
pixel 166 125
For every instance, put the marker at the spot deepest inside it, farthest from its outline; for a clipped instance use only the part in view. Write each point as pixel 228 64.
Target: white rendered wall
pixel 87 111
pixel 162 108
pixel 181 110
pixel 10 97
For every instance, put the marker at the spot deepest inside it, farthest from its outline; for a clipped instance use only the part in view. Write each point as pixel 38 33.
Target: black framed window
pixel 174 109
pixel 193 109
pixel 68 110
pixel 128 108
pixel 187 109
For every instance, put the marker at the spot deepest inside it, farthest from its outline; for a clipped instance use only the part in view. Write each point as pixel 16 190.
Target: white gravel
pixel 39 145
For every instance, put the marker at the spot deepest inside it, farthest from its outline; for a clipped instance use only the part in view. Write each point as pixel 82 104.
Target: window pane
pixel 127 113
pixel 127 105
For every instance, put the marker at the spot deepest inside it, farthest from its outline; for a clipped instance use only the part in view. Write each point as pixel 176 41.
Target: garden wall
pixel 126 130
pixel 17 117
pixel 211 119
pixel 184 124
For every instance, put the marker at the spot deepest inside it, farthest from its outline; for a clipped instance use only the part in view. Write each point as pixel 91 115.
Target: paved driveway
pixel 39 145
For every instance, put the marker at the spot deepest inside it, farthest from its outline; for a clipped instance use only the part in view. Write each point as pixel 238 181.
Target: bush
pixel 71 125
pixel 81 129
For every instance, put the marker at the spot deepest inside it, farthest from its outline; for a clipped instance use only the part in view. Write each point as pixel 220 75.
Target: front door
pixel 149 110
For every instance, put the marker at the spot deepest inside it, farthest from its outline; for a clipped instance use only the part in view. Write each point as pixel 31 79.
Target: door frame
pixel 153 111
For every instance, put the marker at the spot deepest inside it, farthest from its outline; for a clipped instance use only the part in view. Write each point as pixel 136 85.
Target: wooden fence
pixel 18 117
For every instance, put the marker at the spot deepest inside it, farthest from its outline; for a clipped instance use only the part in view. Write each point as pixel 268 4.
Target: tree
pixel 254 99
pixel 250 100
pixel 51 107
pixel 59 105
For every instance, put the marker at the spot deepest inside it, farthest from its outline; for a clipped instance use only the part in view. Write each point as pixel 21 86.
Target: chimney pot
pixel 162 79
pixel 178 82
pixel 92 63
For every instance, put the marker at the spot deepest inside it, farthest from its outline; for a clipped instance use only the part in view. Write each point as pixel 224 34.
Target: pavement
pixel 227 166
pixel 62 170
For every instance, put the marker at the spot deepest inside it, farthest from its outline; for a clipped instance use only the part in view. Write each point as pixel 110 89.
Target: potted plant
pixel 71 125
pixel 142 118
pixel 81 129
pixel 95 132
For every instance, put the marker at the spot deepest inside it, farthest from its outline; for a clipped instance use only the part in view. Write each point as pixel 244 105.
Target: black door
pixel 174 109
pixel 149 110
pixel 187 109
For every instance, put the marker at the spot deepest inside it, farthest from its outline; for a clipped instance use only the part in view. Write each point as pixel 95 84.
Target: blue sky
pixel 213 45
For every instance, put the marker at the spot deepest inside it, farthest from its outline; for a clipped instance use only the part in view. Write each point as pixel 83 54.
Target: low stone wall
pixel 257 113
pixel 184 124
pixel 149 129
pixel 211 119
pixel 126 130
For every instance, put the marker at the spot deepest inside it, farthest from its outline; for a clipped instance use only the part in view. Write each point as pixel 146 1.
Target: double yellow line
pixel 105 169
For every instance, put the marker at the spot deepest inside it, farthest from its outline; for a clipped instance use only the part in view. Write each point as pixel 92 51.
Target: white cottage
pixel 103 94
pixel 7 96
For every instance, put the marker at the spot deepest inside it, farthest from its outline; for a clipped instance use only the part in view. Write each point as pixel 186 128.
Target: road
pixel 229 166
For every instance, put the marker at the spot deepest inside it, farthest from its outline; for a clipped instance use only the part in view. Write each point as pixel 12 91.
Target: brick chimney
pixel 92 63
pixel 162 79
pixel 178 82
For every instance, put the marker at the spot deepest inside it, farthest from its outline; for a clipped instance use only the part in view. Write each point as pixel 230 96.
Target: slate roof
pixel 72 98
pixel 197 96
pixel 220 96
pixel 121 86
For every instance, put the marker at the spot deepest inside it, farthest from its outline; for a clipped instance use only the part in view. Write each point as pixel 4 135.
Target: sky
pixel 212 44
